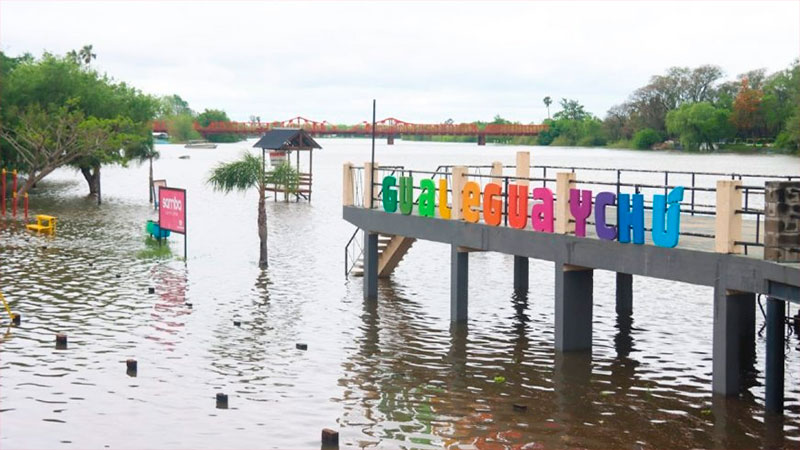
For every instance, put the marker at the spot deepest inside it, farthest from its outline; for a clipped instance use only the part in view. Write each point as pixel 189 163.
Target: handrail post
pixel 348 184
pixel 728 224
pixel 564 182
pixel 459 180
pixel 523 168
pixel 370 190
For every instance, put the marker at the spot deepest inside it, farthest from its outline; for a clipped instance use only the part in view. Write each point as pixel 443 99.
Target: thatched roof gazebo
pixel 281 142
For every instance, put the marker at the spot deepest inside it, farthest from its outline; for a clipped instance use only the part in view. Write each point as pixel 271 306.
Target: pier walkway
pixel 720 245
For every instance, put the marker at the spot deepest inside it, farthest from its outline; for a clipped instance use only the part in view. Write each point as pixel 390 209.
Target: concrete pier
pixel 732 312
pixel 459 284
pixel 624 294
pixel 773 377
pixel 521 274
pixel 370 265
pixel 573 312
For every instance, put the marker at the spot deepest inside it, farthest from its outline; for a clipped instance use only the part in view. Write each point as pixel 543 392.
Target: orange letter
pixel 471 197
pixel 444 211
pixel 492 206
pixel 517 205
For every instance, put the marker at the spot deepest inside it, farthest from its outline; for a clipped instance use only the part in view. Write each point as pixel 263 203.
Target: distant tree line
pixel 692 107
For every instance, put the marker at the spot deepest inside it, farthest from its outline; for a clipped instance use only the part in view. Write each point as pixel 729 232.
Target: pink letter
pixel 542 213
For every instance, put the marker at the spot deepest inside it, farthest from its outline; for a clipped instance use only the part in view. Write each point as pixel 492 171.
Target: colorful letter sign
pixel 666 216
pixel 172 209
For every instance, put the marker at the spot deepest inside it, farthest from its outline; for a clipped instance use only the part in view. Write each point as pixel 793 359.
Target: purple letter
pixel 604 231
pixel 580 205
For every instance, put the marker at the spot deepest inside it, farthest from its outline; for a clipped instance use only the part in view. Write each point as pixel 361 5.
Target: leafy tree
pixel 571 110
pixel 645 138
pixel 747 115
pixel 217 115
pixel 241 175
pixel 699 124
pixel 173 105
pixel 547 102
pixel 181 128
pixel 46 139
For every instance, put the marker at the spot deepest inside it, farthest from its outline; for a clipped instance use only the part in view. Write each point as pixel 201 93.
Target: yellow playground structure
pixel 14 317
pixel 44 224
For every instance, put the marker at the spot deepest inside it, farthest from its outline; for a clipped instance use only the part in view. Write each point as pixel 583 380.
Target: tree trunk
pixel 262 227
pixel 92 176
pixel 150 188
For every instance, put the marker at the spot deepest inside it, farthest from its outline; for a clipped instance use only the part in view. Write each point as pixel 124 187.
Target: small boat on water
pixel 200 144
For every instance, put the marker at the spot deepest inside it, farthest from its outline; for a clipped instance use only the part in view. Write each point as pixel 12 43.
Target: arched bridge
pixel 388 128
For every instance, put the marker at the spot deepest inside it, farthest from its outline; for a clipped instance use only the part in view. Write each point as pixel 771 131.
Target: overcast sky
pixel 422 61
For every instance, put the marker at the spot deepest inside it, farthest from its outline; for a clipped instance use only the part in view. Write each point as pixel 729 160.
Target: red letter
pixel 517 205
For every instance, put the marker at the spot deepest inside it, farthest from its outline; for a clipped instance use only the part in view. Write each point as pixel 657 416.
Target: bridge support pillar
pixel 481 139
pixel 459 284
pixel 624 294
pixel 573 313
pixel 370 265
pixel 733 339
pixel 520 273
pixel 773 377
pixel 390 140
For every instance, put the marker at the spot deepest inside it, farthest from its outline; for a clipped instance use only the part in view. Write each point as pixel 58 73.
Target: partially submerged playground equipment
pixel 281 142
pixel 44 224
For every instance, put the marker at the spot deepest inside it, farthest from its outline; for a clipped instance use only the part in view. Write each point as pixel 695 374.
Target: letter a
pixel 542 213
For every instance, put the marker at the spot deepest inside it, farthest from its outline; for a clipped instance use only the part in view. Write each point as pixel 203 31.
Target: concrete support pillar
pixel 773 376
pixel 733 312
pixel 459 284
pixel 347 184
pixel 390 140
pixel 459 180
pixel 624 294
pixel 523 168
pixel 728 224
pixel 481 139
pixel 520 273
pixel 370 265
pixel 497 172
pixel 371 191
pixel 573 308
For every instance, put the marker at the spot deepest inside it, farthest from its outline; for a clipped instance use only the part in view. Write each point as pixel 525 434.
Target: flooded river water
pixel 389 374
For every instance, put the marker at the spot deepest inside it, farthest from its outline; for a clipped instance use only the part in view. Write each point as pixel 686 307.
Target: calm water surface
pixel 390 374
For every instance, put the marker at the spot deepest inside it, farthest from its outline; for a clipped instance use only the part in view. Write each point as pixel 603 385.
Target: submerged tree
pixel 241 175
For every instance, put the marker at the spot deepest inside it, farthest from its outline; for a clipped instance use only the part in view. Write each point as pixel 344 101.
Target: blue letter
pixel 667 236
pixel 630 218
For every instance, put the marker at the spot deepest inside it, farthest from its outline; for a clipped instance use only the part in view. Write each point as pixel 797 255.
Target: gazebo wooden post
pixel 310 172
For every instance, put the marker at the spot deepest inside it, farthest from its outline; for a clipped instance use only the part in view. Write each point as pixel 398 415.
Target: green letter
pixel 389 194
pixel 406 195
pixel 427 198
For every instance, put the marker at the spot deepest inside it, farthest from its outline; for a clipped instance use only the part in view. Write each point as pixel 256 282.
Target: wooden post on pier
pixel 459 180
pixel 564 182
pixel 347 184
pixel 523 168
pixel 370 265
pixel 624 294
pixel 728 224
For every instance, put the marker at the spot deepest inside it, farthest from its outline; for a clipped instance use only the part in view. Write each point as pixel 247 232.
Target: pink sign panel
pixel 172 209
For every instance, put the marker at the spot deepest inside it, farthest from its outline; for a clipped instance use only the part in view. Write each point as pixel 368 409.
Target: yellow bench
pixel 44 223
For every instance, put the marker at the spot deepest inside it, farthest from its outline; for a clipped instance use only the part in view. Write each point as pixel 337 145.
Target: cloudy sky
pixel 422 61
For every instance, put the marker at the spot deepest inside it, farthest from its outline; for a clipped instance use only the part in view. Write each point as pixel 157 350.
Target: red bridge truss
pixel 389 127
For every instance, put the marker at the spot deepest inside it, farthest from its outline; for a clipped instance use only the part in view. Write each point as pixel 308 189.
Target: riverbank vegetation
pixel 685 108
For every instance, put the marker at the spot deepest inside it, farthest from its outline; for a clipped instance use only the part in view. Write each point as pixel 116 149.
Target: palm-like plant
pixel 285 176
pixel 86 54
pixel 547 102
pixel 241 175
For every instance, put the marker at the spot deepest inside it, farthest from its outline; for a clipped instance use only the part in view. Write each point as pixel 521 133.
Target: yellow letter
pixel 444 211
